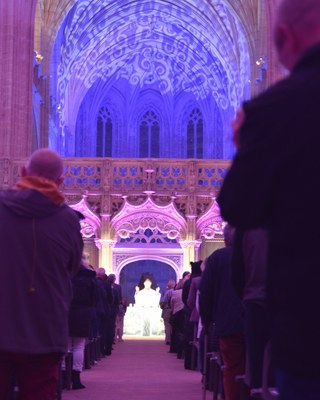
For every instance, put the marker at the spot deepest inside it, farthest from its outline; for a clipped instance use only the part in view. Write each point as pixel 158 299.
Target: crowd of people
pixel 273 185
pixel 262 286
pixel 204 306
pixel 96 315
pixel 53 301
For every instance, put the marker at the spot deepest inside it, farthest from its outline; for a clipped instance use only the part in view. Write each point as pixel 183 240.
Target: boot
pixel 76 383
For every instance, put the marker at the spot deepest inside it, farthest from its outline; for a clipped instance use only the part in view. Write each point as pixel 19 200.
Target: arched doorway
pixel 131 273
pixel 144 319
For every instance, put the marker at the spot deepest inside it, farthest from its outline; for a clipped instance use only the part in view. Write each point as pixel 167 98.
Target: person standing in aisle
pixel 41 248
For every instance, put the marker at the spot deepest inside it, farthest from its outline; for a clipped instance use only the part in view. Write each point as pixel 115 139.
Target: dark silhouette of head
pixel 195 267
pixel 144 277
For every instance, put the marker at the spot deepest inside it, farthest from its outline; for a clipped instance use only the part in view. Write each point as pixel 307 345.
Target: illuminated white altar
pixel 143 321
pixel 144 318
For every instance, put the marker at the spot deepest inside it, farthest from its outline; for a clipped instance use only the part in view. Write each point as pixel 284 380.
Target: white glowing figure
pixel 147 297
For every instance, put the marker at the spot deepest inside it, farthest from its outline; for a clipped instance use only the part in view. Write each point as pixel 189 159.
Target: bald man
pixel 274 182
pixel 41 247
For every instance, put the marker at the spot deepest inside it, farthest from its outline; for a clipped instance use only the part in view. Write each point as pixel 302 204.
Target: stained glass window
pixel 195 134
pixel 149 135
pixel 104 133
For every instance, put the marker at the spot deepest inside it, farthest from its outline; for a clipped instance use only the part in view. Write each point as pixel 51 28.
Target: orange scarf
pixel 43 185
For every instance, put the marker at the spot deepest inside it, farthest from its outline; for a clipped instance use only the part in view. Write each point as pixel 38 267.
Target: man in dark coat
pixel 250 249
pixel 41 248
pixel 189 326
pixel 274 182
pixel 104 315
pixel 220 305
pixel 114 308
pixel 81 317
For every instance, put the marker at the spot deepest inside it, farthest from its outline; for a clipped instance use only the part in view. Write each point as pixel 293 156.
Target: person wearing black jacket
pixel 81 315
pixel 114 308
pixel 189 325
pixel 274 182
pixel 220 305
pixel 104 311
pixel 249 270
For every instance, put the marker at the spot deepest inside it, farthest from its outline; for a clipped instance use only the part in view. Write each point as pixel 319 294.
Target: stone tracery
pixel 163 219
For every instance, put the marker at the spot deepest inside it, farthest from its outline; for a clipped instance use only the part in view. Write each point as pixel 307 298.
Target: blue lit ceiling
pixel 176 48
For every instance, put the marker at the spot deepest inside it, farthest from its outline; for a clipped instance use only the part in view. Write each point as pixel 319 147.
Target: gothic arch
pixel 148 215
pixel 121 260
pixel 210 223
pixel 150 101
pixel 194 116
pixel 91 224
pixel 86 126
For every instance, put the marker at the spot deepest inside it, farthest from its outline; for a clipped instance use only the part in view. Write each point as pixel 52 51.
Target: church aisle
pixel 138 370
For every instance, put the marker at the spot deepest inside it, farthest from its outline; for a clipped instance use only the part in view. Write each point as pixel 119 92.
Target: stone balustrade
pixel 168 177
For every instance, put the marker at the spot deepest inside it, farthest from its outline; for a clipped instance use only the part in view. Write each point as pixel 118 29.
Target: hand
pixel 236 126
pixel 137 289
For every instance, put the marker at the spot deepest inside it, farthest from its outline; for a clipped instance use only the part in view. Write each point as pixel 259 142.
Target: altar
pixel 143 321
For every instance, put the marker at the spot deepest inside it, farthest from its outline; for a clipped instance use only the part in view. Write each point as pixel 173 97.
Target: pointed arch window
pixel 149 131
pixel 104 133
pixel 195 134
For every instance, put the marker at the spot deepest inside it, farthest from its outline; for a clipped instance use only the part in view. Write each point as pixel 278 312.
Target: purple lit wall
pixel 130 77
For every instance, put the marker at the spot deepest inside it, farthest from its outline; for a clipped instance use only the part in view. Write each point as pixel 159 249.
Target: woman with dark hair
pixel 144 276
pixel 147 294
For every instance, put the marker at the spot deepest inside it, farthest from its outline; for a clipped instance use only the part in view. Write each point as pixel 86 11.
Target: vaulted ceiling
pixel 205 47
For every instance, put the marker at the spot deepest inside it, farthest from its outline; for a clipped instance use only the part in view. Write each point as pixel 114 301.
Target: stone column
pixel 17 19
pixel 105 254
pixel 106 242
pixel 190 252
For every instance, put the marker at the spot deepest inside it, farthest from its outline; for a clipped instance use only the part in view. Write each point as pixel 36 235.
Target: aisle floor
pixel 138 370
